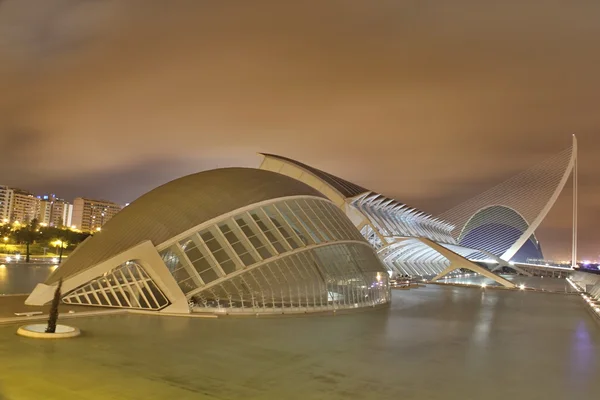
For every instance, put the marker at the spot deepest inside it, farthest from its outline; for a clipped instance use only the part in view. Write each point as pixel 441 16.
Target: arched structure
pixel 497 226
pixel 233 240
pixel 530 194
pixel 384 222
pixel 495 229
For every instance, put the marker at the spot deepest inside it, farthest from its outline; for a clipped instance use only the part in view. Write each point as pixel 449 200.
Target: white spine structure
pixel 493 226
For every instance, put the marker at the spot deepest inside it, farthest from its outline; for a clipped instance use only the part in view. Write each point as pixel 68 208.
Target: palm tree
pixel 28 234
pixel 54 309
pixel 5 232
pixel 64 243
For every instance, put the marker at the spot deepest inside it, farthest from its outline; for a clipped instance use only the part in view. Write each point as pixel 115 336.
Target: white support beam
pixel 457 262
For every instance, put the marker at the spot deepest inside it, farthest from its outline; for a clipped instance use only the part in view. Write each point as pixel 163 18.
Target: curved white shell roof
pixel 178 206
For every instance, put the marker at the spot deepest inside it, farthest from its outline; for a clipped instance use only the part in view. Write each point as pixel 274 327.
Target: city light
pixel 483 285
pixel 8 259
pixel 54 260
pixel 522 286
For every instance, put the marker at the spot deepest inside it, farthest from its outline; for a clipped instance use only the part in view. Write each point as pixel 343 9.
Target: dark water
pixel 434 343
pixel 22 278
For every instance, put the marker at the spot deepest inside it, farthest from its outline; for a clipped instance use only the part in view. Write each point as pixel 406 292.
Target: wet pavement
pixel 437 342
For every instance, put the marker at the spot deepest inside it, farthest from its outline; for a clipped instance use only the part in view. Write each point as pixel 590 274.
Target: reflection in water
pixel 582 356
pixel 22 278
pixel 436 343
pixel 485 318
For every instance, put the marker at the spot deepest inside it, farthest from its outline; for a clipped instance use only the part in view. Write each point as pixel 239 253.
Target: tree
pixel 53 318
pixel 28 234
pixel 63 241
pixel 5 230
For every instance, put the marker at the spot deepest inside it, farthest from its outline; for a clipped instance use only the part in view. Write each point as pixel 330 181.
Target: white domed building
pixel 234 240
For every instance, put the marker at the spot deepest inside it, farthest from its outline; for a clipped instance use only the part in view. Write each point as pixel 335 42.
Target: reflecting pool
pixel 437 342
pixel 22 278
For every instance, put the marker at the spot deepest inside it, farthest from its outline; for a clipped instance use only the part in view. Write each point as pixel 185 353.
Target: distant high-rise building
pixel 25 206
pixel 6 204
pixel 54 211
pixel 90 214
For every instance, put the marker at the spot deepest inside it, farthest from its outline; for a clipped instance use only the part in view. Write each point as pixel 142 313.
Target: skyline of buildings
pixel 86 214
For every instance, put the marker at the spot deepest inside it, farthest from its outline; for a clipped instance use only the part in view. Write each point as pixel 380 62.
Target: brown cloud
pixel 428 101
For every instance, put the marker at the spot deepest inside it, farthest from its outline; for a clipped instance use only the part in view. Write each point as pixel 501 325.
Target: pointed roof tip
pixel 345 188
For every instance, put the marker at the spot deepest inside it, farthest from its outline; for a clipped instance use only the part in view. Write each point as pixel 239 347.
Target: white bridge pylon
pixel 531 194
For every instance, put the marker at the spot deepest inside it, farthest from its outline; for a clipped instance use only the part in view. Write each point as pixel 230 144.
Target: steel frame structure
pixel 412 242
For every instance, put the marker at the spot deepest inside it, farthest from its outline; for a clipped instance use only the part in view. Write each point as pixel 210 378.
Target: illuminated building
pixel 234 240
pixel 25 206
pixel 495 228
pixel 91 215
pixel 291 238
pixel 6 204
pixel 54 211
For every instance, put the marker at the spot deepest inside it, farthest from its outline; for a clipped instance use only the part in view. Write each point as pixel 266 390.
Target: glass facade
pixel 127 286
pixel 331 277
pixel 254 261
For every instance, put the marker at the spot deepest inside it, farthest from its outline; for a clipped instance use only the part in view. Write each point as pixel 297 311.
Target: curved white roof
pixel 178 206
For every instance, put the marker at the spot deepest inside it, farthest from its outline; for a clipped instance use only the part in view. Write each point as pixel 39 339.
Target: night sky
pixel 430 102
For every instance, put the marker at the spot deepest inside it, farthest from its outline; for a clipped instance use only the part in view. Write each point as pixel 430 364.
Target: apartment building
pixel 6 204
pixel 90 214
pixel 25 206
pixel 54 211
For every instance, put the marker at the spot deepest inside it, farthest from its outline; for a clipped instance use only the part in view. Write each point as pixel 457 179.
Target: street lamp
pixel 59 244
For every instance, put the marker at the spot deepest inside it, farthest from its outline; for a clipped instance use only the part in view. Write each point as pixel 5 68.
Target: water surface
pixel 435 343
pixel 22 278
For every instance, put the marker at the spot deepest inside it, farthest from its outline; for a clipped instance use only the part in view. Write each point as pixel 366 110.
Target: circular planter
pixel 38 331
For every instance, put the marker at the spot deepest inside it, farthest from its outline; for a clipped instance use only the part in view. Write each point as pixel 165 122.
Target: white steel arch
pixel 531 194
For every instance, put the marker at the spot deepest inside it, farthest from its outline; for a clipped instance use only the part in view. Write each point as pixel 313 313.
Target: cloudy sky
pixel 428 101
